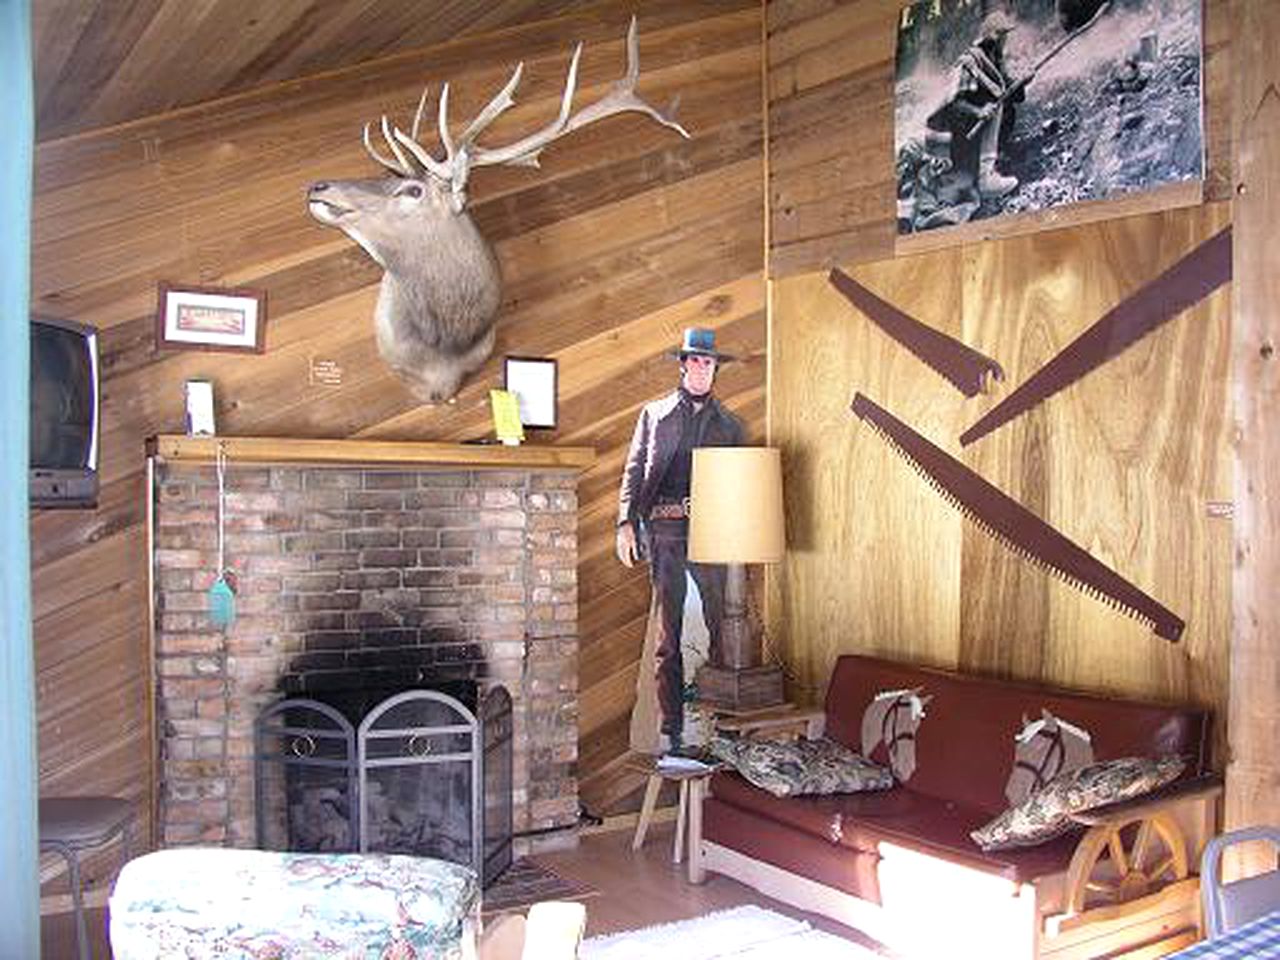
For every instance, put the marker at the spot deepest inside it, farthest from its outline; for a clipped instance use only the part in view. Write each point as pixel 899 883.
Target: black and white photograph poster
pixel 1012 107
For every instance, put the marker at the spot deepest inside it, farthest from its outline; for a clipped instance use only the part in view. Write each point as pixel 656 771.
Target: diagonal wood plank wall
pixel 98 64
pixel 625 236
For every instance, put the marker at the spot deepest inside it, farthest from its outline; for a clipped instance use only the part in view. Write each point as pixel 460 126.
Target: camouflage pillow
pixel 791 769
pixel 1047 812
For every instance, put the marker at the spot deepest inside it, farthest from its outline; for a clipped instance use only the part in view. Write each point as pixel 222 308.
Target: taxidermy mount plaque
pixel 966 368
pixel 1185 284
pixel 441 285
pixel 1014 525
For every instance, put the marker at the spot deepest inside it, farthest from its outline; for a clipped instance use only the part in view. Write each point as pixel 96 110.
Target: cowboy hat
pixel 700 342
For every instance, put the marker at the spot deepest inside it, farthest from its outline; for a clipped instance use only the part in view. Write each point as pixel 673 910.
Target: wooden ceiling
pixel 103 62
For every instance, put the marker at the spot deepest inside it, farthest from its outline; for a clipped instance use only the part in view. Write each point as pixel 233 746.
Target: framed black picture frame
pixel 535 382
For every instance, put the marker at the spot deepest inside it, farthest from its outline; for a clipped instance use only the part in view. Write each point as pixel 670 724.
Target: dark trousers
pixel 667 548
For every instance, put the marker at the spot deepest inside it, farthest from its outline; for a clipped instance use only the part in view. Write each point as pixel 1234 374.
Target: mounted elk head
pixel 441 286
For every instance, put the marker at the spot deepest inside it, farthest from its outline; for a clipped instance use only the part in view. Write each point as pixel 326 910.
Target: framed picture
pixel 533 381
pixel 1002 110
pixel 211 318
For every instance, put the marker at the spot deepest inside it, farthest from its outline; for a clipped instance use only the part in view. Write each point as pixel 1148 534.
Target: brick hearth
pixel 393 577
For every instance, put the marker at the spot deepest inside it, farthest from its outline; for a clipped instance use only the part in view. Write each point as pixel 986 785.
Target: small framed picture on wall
pixel 533 381
pixel 211 318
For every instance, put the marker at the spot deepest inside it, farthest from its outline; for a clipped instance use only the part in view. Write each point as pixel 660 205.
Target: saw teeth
pixel 980 502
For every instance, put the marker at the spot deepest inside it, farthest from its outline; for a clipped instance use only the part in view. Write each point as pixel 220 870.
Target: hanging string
pixel 222 595
pixel 221 467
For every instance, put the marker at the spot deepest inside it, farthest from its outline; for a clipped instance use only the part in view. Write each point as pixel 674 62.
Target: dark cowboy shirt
pixel 694 415
pixel 658 436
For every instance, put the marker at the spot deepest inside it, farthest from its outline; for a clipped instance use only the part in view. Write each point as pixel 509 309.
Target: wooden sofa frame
pixel 1129 890
pixel 1122 895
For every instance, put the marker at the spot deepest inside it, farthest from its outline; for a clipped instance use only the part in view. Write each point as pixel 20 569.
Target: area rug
pixel 526 882
pixel 742 933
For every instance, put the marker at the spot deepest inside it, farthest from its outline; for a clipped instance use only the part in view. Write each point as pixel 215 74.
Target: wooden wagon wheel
pixel 1125 859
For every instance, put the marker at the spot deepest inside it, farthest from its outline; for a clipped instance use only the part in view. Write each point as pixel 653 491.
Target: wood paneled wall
pixel 98 64
pixel 1134 463
pixel 1130 463
pixel 625 236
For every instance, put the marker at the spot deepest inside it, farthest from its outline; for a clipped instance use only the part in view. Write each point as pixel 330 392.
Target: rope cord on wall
pixel 222 596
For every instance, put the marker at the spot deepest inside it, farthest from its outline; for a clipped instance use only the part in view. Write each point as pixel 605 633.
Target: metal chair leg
pixel 77 898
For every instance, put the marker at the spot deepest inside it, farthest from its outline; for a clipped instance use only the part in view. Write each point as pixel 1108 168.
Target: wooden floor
pixel 58 935
pixel 644 888
pixel 635 890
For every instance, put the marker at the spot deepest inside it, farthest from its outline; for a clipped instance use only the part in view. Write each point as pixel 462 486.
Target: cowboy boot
pixel 992 183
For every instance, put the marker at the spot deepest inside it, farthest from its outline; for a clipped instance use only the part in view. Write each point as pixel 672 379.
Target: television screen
pixel 64 412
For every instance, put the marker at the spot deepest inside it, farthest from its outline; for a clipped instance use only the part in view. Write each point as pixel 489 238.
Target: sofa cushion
pixel 819 816
pixel 961 749
pixel 774 842
pixel 800 767
pixel 858 823
pixel 1047 812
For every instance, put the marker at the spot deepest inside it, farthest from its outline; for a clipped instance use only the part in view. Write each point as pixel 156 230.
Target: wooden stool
pixel 693 788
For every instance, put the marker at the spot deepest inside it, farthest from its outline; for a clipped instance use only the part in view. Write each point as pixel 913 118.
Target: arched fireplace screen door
pixel 305 778
pixel 422 774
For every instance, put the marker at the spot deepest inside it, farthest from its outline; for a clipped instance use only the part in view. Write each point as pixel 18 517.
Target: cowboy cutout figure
pixel 653 513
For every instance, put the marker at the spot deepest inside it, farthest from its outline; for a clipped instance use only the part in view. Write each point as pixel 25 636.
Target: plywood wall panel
pixel 1127 463
pixel 855 583
pixel 1124 463
pixel 624 237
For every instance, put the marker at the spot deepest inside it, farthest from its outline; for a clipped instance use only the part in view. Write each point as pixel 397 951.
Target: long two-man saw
pixel 1015 526
pixel 966 368
pixel 1185 284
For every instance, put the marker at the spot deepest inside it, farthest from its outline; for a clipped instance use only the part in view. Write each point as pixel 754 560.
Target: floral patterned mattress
pixel 224 903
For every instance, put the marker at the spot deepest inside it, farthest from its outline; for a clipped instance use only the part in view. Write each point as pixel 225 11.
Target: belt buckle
pixel 685 505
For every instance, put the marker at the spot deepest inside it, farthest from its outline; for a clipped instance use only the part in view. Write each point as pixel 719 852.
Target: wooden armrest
pixel 1182 791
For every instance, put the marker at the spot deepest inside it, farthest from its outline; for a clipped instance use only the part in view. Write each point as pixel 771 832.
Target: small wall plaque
pixel 325 373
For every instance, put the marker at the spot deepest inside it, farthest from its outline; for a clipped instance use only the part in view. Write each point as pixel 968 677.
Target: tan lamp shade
pixel 735 510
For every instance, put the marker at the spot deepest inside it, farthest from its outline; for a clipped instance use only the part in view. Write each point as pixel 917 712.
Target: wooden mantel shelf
pixel 178 447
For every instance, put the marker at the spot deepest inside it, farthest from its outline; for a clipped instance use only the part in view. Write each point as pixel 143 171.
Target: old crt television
pixel 64 413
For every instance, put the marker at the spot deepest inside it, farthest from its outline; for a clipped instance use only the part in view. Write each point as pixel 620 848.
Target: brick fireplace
pixel 353 572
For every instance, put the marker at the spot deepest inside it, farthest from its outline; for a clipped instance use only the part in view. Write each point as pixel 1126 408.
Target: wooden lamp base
pixel 739 681
pixel 740 688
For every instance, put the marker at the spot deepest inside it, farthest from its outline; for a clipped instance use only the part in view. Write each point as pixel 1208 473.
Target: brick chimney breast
pixel 360 576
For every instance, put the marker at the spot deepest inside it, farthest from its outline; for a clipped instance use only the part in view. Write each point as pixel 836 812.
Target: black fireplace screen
pixel 421 773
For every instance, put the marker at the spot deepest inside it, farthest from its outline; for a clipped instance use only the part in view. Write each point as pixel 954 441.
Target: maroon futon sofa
pixel 900 863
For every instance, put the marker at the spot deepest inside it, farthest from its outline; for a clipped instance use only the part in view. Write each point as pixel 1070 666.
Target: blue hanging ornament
pixel 222 604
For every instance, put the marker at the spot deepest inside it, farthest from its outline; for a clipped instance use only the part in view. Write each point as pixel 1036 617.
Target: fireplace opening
pixel 426 772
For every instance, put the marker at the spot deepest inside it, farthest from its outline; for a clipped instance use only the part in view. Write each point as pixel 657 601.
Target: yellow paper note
pixel 506 416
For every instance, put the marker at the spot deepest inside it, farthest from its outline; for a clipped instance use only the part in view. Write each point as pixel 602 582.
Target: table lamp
pixel 735 518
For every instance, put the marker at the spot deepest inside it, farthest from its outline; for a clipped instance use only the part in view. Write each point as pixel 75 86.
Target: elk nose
pixel 320 187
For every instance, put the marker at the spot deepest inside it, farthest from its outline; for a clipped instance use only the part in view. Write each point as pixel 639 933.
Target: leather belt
pixel 670 511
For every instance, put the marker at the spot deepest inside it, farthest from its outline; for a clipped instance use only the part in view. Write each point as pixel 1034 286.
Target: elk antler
pixel 465 153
